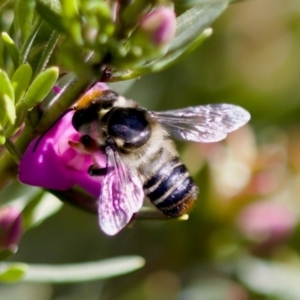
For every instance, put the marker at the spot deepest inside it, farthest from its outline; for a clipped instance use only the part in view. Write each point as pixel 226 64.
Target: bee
pixel 141 156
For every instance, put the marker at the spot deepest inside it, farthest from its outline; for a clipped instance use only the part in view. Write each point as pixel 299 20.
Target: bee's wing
pixel 204 123
pixel 121 196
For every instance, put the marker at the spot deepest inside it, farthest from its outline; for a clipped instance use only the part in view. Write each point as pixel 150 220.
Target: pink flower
pixel 53 163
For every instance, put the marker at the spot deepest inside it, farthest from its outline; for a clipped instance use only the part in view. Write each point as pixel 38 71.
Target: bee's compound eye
pixel 130 125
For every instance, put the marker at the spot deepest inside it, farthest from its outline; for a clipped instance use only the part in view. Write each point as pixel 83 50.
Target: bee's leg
pixel 95 170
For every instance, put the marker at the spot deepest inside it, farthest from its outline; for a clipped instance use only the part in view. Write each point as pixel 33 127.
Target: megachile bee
pixel 141 157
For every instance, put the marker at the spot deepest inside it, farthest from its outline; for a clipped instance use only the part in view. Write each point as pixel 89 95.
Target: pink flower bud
pixel 160 25
pixel 10 228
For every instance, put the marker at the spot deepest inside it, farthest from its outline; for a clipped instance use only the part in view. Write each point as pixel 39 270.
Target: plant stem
pixel 13 150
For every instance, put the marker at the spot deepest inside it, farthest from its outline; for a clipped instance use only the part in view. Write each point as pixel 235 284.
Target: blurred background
pixel 242 240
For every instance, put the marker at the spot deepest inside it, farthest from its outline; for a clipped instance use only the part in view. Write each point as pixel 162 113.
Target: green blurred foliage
pixel 242 240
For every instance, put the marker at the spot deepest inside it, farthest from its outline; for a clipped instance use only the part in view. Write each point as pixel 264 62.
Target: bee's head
pixel 92 107
pixel 128 126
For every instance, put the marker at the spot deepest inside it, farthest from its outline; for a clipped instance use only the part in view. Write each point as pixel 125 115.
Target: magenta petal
pixel 54 164
pixel 43 168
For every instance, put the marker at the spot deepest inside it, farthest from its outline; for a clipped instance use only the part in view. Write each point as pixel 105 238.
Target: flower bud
pixel 154 32
pixel 10 228
pixel 160 25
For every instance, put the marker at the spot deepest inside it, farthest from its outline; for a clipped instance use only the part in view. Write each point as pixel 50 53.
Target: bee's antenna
pixel 50 127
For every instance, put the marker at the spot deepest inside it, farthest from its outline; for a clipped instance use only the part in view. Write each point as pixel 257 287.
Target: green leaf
pixel 51 13
pixel 83 272
pixel 12 272
pixel 71 19
pixel 7 110
pixel 21 114
pixel 173 57
pixel 69 8
pixel 41 87
pixel 20 81
pixel 195 20
pixel 53 5
pixel 11 48
pixel 7 107
pixel 5 86
pixel 24 16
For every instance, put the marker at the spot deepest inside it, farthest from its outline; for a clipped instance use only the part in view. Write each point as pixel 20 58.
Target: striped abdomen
pixel 171 189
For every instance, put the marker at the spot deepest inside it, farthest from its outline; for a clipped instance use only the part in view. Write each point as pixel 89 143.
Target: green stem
pixel 13 150
pixel 63 101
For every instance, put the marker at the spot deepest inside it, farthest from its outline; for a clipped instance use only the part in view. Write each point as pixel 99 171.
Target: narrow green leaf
pixel 48 50
pixel 83 272
pixel 174 56
pixel 195 20
pixel 41 87
pixel 27 45
pixel 20 81
pixel 11 48
pixel 12 272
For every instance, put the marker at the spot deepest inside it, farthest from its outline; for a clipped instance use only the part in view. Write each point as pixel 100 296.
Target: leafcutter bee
pixel 141 157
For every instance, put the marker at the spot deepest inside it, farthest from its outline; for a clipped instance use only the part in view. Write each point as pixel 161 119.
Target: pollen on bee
pixel 87 98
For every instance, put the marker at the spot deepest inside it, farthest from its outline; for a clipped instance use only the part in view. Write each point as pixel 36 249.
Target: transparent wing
pixel 204 123
pixel 121 196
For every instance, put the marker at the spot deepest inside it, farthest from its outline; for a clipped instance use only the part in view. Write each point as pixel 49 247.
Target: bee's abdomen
pixel 171 189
